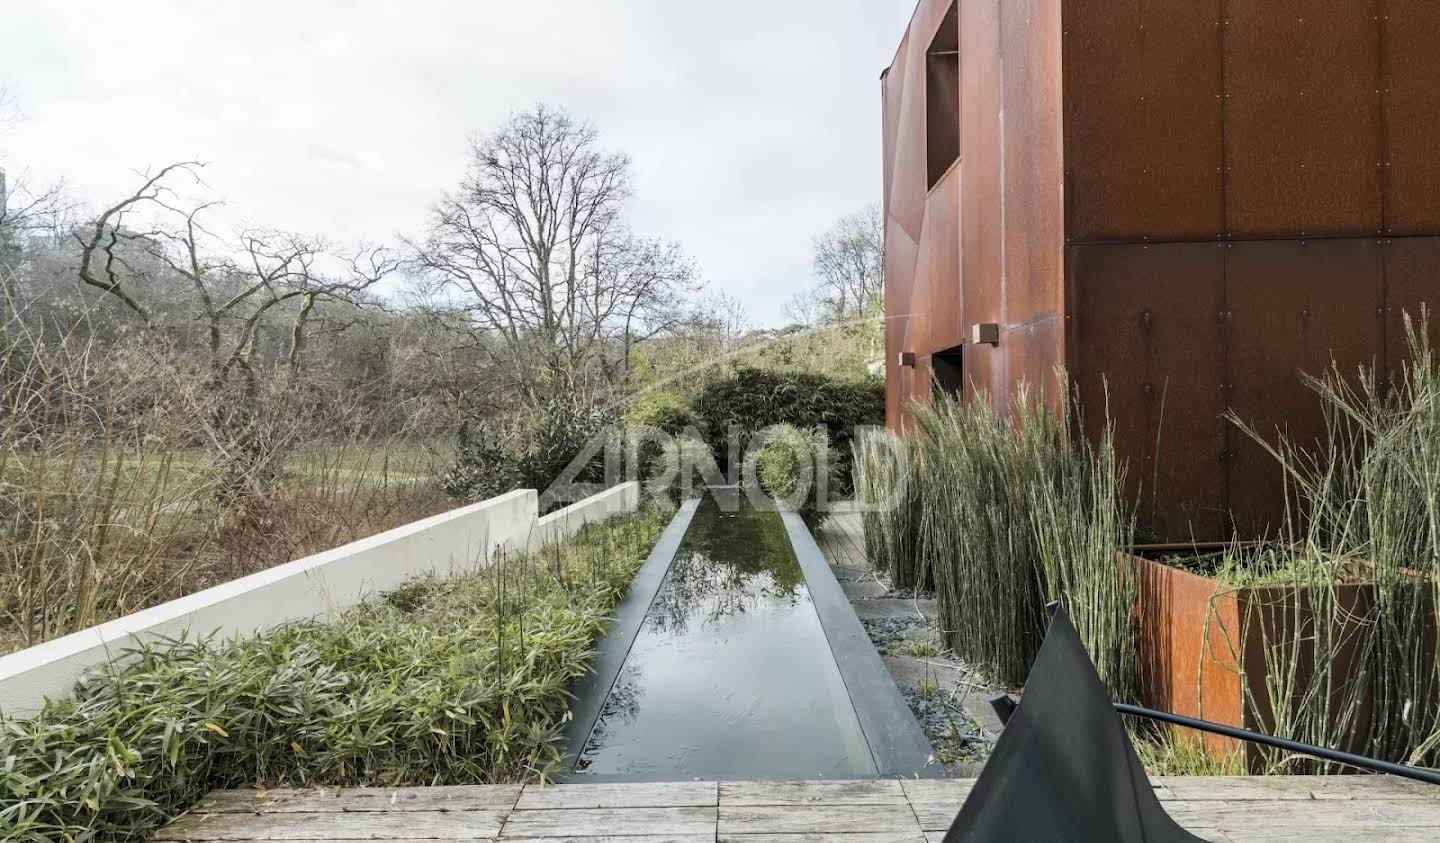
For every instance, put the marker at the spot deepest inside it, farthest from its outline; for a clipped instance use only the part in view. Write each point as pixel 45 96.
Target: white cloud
pixel 752 125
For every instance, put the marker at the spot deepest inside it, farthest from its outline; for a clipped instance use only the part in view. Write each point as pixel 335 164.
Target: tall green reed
pixel 1343 670
pixel 887 487
pixel 1017 511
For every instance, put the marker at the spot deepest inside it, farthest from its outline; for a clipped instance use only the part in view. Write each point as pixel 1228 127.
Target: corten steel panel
pixel 900 252
pixel 942 97
pixel 1147 343
pixel 1410 44
pixel 1186 655
pixel 1302 118
pixel 1031 353
pixel 980 206
pixel 1033 163
pixel 890 126
pixel 900 256
pixel 1295 306
pixel 1143 120
pixel 905 86
pixel 1412 280
pixel 942 246
pixel 984 369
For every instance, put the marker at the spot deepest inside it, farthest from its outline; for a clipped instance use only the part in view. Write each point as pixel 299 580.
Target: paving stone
pixel 846 573
pixel 887 607
pixel 863 589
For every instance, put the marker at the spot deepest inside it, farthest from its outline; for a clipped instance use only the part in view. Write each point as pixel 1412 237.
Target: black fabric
pixel 1064 768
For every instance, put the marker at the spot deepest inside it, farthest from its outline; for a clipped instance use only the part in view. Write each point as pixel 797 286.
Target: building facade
pixel 1182 203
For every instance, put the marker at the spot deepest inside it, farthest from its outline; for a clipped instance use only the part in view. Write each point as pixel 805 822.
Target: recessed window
pixel 942 97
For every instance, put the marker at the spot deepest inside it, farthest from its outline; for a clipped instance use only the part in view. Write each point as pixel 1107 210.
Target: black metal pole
pixel 1335 755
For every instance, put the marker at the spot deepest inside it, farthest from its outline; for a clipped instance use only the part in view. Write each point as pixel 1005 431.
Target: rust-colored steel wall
pixel 985 243
pixel 1274 128
pixel 1185 202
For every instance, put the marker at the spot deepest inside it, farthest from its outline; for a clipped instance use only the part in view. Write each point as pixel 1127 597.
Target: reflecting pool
pixel 731 675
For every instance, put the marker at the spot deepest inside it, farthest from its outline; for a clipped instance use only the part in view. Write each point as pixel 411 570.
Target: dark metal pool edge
pixel 897 743
pixel 592 689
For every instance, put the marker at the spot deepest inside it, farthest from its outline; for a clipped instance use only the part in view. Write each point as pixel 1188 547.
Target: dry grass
pixel 120 488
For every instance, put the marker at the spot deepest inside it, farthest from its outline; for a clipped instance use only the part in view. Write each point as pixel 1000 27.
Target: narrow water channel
pixel 731 675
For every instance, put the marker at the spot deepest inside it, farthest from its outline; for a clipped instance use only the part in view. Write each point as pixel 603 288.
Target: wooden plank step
pixel 827 819
pixel 403 825
pixel 812 793
pixel 1272 788
pixel 646 795
pixel 861 837
pixel 349 800
pixel 614 822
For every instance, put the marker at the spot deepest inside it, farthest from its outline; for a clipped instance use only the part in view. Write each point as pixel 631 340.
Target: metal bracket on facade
pixel 985 333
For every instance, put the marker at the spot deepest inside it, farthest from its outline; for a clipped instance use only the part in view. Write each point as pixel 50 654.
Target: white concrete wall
pixel 564 523
pixel 316 586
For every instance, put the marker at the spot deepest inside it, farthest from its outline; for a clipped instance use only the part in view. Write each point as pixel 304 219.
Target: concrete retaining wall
pixel 316 586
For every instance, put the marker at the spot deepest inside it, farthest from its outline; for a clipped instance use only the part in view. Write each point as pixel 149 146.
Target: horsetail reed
pixel 1016 512
pixel 1351 660
pixel 888 489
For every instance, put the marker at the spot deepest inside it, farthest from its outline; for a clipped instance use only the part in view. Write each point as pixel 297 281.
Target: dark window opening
pixel 948 370
pixel 942 97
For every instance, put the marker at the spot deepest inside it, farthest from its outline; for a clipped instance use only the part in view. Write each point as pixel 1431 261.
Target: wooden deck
pixel 1315 810
pixel 842 538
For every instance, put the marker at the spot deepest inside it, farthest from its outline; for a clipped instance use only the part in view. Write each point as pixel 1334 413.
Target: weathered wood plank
pixel 346 800
pixel 1272 788
pixel 615 822
pixel 708 837
pixel 812 819
pixel 812 793
pixel 1227 810
pixel 861 837
pixel 406 825
pixel 943 791
pixel 646 795
pixel 1352 834
pixel 1288 815
pixel 935 816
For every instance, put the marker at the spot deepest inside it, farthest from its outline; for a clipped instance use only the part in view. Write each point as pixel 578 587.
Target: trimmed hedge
pixel 789 464
pixel 752 400
pixel 529 451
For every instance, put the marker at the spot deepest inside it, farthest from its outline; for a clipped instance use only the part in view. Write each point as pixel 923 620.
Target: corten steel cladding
pixel 1064 768
pixel 1199 639
pixel 1186 203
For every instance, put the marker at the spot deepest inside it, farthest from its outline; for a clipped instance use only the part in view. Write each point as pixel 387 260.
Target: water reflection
pixel 731 674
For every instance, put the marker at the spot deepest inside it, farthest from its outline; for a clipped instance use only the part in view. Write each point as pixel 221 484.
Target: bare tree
pixel 234 287
pixel 254 298
pixel 849 266
pixel 533 250
pixel 24 212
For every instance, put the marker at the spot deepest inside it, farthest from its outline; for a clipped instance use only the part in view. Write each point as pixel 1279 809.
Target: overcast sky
pixel 752 125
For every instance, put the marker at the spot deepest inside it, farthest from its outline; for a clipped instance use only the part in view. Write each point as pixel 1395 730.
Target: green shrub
pixel 677 469
pixel 455 681
pixel 1015 513
pixel 790 466
pixel 530 451
pixel 751 400
pixel 887 486
pixel 663 411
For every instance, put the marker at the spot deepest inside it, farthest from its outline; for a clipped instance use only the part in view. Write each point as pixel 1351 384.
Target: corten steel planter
pixel 1199 639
